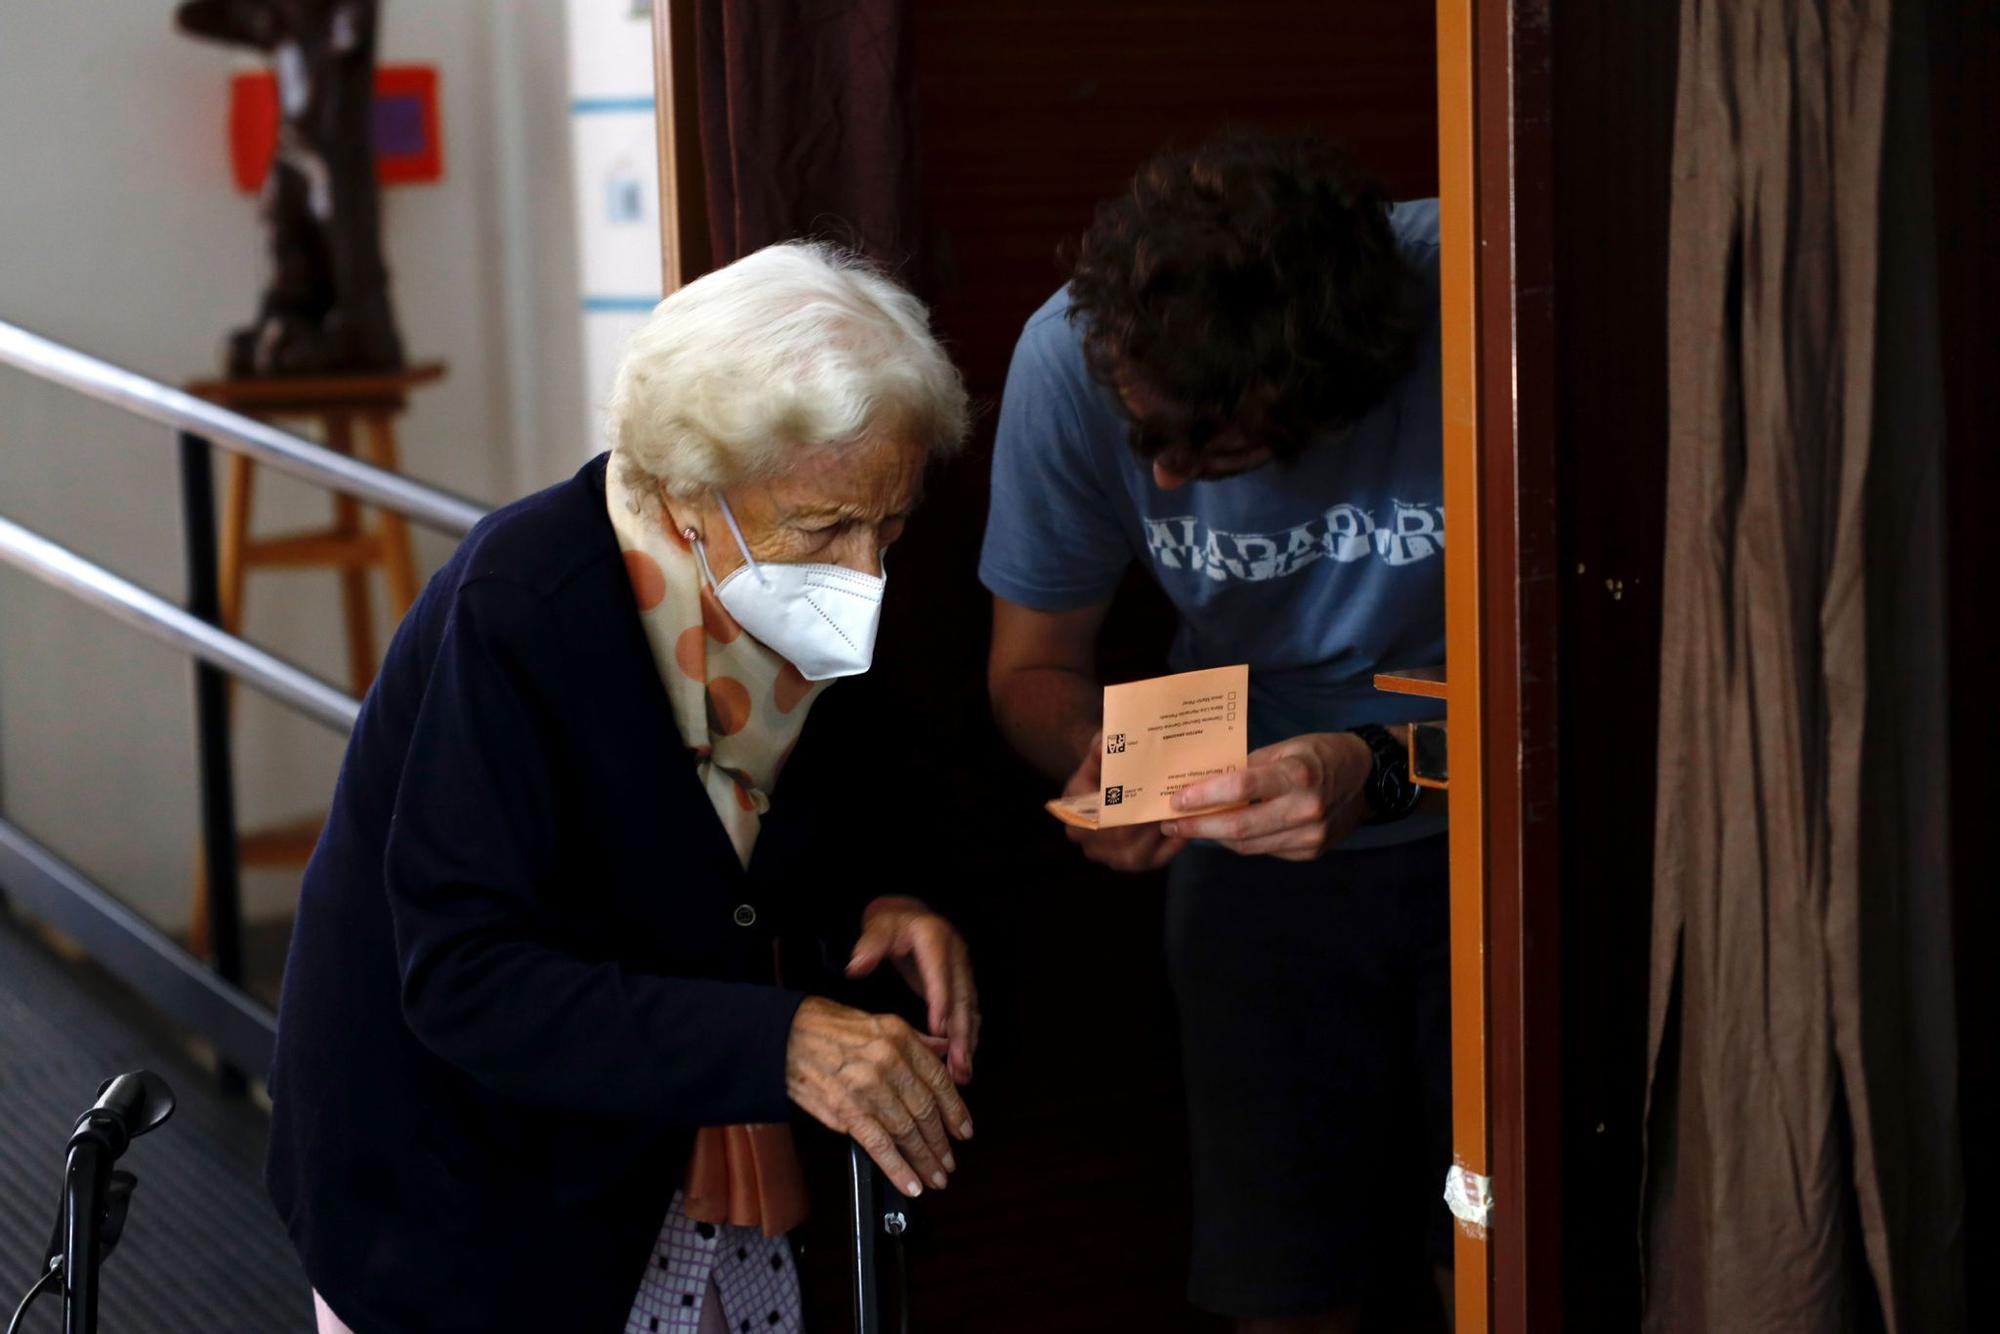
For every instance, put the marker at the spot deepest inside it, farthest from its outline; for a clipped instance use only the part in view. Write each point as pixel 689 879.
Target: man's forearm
pixel 1048 715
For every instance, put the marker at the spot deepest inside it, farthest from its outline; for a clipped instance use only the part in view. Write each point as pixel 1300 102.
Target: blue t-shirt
pixel 1318 574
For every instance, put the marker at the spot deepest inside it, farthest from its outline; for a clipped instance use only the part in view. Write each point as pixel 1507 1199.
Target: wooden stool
pixel 350 409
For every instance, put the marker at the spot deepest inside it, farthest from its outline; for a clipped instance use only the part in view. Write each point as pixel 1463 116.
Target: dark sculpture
pixel 326 307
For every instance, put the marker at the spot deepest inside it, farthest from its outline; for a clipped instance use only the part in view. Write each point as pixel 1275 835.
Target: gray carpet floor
pixel 202 1249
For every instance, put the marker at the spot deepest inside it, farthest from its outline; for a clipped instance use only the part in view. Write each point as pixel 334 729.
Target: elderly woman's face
pixel 836 507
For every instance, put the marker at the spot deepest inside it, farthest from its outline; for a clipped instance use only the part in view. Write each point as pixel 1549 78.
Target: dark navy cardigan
pixel 527 962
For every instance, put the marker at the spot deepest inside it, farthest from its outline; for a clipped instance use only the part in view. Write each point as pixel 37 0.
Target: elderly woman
pixel 534 1069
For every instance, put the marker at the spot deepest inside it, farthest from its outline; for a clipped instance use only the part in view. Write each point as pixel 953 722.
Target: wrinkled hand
pixel 1306 797
pixel 1132 847
pixel 876 1079
pixel 932 957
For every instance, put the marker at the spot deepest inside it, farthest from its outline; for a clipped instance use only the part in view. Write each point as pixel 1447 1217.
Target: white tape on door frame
pixel 1469 1196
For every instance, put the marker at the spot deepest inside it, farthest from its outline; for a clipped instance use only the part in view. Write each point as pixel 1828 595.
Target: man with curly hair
pixel 1238 388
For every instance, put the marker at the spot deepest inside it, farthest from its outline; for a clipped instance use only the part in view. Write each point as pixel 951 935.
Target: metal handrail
pixel 62 568
pixel 49 360
pixel 212 1003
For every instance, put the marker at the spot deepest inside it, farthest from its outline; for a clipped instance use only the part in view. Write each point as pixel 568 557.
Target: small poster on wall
pixel 625 192
pixel 409 143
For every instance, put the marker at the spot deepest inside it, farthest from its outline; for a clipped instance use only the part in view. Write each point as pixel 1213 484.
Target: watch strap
pixel 1389 791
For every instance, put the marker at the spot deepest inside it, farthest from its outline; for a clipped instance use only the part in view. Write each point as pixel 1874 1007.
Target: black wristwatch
pixel 1389 792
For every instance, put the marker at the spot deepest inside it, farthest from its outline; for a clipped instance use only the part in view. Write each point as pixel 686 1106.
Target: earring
pixel 690 534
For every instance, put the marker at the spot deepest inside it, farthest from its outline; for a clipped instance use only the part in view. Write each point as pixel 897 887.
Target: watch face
pixel 1390 790
pixel 1399 793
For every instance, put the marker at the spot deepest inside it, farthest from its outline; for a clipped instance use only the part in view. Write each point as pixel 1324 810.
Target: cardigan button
pixel 745 915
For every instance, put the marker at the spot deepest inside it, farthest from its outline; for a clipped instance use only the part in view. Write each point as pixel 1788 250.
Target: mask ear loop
pixel 741 545
pixel 701 556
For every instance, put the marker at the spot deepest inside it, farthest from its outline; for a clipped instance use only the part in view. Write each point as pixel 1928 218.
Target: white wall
pixel 615 160
pixel 121 233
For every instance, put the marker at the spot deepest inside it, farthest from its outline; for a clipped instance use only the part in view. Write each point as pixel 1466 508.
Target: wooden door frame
pixel 1496 266
pixel 684 240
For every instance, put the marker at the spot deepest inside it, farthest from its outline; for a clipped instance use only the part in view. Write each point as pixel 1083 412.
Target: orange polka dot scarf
pixel 739 707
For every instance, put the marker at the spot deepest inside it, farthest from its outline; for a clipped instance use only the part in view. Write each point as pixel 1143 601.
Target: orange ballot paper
pixel 1160 736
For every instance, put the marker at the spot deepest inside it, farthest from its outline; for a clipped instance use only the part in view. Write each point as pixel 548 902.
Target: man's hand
pixel 932 958
pixel 1135 847
pixel 1306 797
pixel 873 1077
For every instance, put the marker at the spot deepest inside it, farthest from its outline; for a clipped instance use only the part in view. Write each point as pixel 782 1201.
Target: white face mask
pixel 820 618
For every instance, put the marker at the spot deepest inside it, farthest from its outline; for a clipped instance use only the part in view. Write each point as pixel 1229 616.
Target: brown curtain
pixel 806 129
pixel 1802 1165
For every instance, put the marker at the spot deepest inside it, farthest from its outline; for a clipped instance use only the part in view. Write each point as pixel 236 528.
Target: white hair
pixel 796 346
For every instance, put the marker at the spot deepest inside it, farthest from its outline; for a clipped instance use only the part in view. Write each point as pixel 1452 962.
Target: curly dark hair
pixel 1252 283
